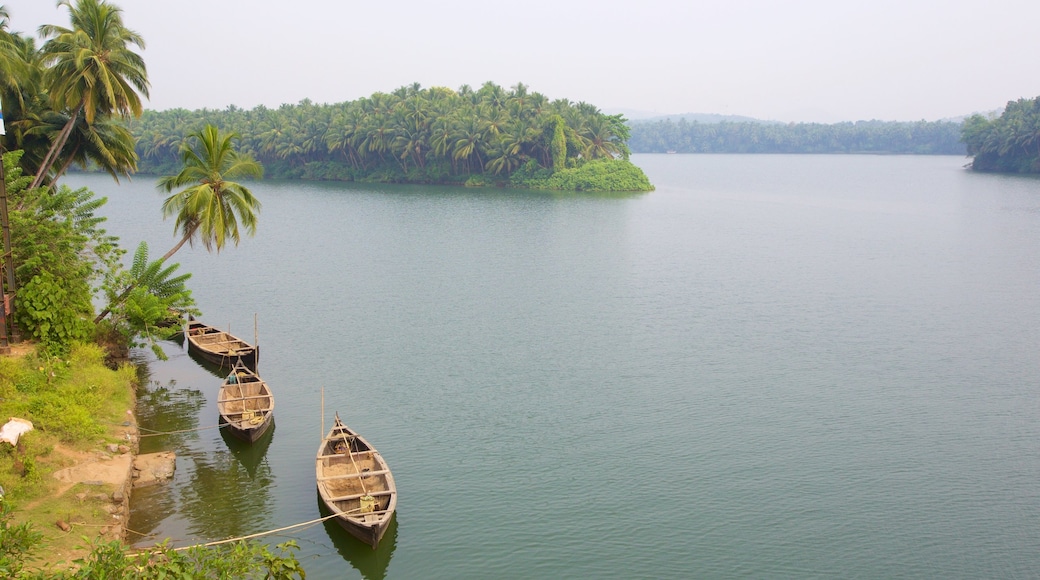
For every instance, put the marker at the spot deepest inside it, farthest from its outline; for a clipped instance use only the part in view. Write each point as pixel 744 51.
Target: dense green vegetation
pixel 1008 143
pixel 489 137
pixel 20 544
pixel 67 103
pixel 921 137
pixel 63 258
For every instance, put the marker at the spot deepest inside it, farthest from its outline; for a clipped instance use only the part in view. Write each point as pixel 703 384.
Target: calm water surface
pixel 772 366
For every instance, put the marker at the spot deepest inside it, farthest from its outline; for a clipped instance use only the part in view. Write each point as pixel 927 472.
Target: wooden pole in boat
pixel 256 345
pixel 323 411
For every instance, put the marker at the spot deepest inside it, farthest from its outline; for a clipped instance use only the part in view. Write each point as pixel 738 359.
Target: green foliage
pixel 54 310
pixel 411 135
pixel 1009 143
pixel 89 71
pixel 529 174
pixel 600 176
pixel 558 145
pixel 29 472
pixel 149 303
pixel 70 420
pixel 70 399
pixel 67 397
pixel 620 133
pixel 246 560
pixel 16 542
pixel 211 206
pixel 59 250
pixel 112 560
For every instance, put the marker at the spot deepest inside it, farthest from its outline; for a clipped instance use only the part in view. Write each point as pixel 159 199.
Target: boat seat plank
pixel 249 398
pixel 360 495
pixel 230 341
pixel 377 515
pixel 354 475
pixel 263 411
pixel 354 453
pixel 365 519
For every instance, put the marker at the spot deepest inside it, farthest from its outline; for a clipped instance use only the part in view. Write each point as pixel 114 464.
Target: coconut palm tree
pixel 106 143
pixel 213 206
pixel 469 142
pixel 11 69
pixel 92 69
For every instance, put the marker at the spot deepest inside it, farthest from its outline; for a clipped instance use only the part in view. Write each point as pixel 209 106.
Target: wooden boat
pixel 245 403
pixel 219 347
pixel 355 484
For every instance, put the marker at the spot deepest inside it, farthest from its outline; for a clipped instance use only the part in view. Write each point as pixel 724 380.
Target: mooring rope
pixel 241 538
pixel 154 433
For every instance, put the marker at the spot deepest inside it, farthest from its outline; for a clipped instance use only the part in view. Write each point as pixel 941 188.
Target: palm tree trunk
pixel 184 240
pixel 65 166
pixel 122 296
pixel 56 147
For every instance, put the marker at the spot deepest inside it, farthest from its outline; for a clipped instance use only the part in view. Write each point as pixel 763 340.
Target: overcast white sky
pixel 784 60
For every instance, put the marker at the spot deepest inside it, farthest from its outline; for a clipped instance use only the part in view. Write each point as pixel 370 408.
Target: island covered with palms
pixel 490 136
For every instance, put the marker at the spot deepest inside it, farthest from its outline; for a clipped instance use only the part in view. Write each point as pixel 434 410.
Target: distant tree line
pixel 487 136
pixel 1008 143
pixel 682 136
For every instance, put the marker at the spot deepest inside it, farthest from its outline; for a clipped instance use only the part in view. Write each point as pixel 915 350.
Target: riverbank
pixel 71 476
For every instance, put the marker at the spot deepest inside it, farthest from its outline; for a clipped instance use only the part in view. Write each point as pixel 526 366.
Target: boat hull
pixel 245 404
pixel 370 535
pixel 355 484
pixel 220 348
pixel 250 435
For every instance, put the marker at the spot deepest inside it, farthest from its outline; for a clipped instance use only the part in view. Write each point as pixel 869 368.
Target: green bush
pixel 16 542
pixel 234 560
pixel 595 176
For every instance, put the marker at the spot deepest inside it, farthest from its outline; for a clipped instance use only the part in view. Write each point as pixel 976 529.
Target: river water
pixel 772 366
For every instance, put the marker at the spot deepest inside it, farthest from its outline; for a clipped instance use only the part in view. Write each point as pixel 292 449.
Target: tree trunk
pixel 65 166
pixel 59 143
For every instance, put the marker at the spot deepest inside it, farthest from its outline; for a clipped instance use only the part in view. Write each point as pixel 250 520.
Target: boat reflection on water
pixel 250 455
pixel 213 368
pixel 371 563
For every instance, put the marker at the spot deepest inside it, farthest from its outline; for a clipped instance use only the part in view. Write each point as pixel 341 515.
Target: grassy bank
pixel 80 410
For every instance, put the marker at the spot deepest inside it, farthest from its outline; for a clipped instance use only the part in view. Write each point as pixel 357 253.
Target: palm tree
pixel 505 155
pixel 212 207
pixel 469 141
pixel 107 143
pixel 23 99
pixel 597 138
pixel 11 69
pixel 92 69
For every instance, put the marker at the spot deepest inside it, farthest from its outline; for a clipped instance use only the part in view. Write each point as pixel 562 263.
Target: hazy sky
pixel 785 60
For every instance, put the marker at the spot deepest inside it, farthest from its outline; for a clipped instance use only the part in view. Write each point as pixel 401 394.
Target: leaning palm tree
pixel 106 142
pixel 212 207
pixel 92 69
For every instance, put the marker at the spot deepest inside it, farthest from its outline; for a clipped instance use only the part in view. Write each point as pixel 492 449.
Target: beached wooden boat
pixel 245 403
pixel 355 484
pixel 219 347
